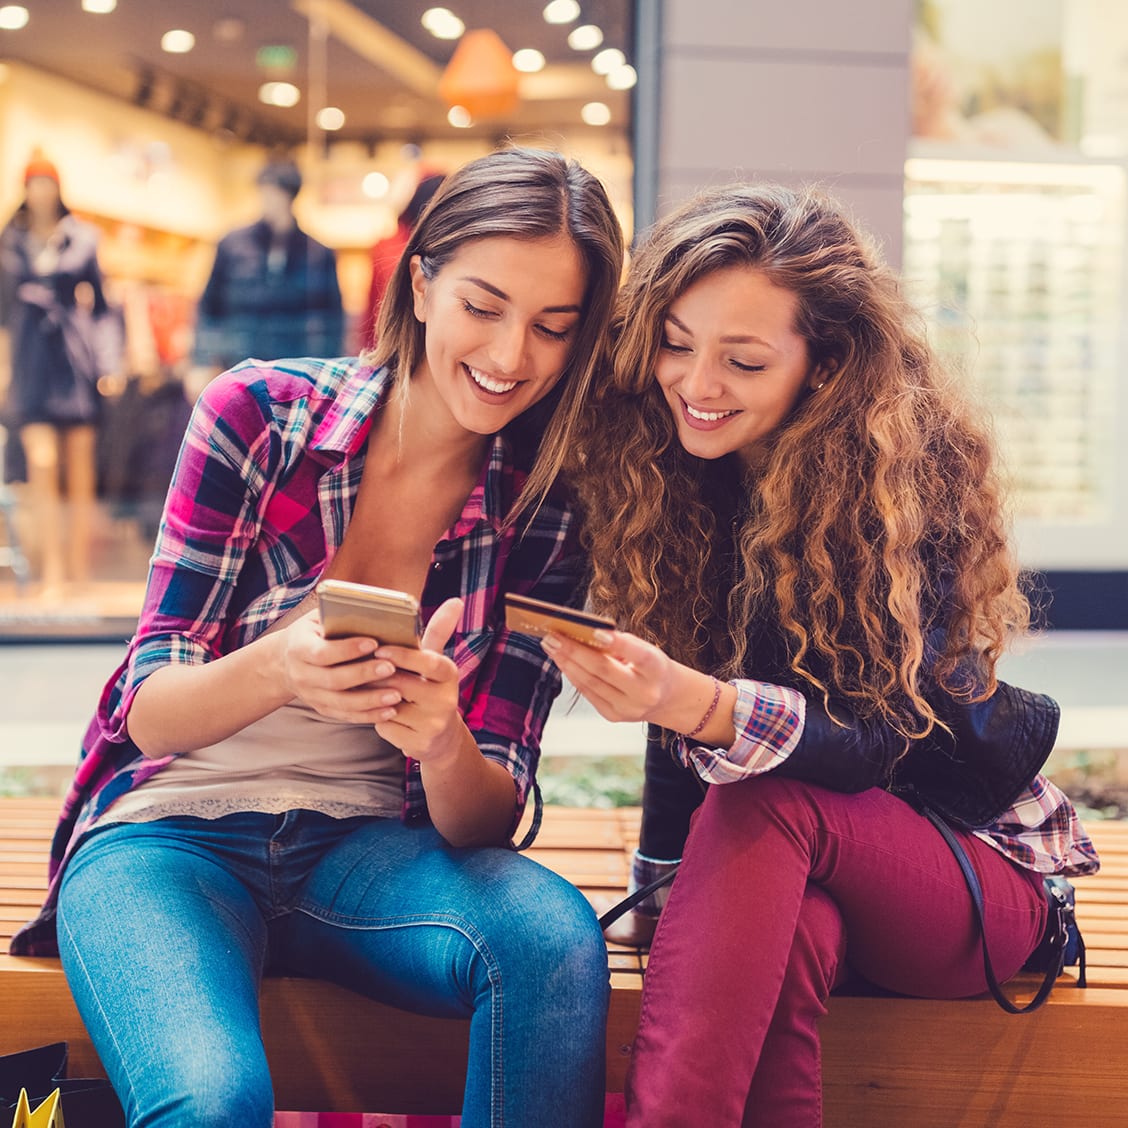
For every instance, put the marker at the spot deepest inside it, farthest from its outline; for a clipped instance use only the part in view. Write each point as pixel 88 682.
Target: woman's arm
pixel 180 708
pixel 204 684
pixel 632 680
pixel 749 727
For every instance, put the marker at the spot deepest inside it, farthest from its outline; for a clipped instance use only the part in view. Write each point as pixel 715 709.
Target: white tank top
pixel 291 758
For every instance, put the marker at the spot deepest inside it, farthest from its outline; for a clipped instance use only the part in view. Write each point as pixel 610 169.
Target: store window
pixel 159 135
pixel 1016 198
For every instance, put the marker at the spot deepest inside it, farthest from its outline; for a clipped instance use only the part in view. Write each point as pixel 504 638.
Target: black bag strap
pixel 1057 939
pixel 639 895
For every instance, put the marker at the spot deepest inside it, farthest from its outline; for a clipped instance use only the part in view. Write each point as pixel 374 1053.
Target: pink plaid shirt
pixel 262 494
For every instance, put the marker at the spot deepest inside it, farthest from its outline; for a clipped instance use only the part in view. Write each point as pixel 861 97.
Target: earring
pixel 818 386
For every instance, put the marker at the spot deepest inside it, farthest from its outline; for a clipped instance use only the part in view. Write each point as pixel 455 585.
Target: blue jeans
pixel 166 927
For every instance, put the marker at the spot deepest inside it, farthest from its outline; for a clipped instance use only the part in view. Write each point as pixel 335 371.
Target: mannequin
pixel 273 290
pixel 54 307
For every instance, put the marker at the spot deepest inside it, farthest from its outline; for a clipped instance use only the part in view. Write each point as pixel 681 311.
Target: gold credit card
pixel 538 618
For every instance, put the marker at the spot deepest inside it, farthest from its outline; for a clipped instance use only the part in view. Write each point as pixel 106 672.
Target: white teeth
pixel 707 416
pixel 489 383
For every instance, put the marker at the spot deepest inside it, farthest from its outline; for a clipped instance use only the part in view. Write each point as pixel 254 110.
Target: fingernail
pixel 602 638
pixel 550 644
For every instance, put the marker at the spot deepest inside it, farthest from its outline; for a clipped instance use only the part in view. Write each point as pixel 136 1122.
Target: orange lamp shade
pixel 481 76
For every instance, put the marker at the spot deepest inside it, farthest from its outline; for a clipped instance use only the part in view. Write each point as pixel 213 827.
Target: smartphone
pixel 538 618
pixel 347 609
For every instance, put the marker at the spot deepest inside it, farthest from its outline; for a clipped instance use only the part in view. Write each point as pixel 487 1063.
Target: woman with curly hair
pixel 797 523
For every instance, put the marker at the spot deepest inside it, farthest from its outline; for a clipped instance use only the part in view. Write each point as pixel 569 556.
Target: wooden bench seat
pixel 888 1062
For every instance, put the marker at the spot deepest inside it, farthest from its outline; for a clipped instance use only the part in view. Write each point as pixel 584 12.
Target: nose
pixel 508 347
pixel 700 379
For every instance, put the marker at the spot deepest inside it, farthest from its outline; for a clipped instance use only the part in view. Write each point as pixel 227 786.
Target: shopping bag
pixel 39 1076
pixel 38 1071
pixel 49 1114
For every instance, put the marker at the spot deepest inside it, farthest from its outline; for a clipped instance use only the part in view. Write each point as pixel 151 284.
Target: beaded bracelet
pixel 708 712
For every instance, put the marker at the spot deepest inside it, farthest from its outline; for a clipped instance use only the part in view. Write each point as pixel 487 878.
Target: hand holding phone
pixel 538 618
pixel 390 617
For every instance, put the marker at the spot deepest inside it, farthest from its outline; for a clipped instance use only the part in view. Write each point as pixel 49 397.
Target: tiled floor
pixel 49 691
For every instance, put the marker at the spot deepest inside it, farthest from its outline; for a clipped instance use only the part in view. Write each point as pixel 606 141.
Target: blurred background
pixel 985 142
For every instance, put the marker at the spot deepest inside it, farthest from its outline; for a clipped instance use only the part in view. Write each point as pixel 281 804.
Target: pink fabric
pixel 615 1116
pixel 361 1120
pixel 783 885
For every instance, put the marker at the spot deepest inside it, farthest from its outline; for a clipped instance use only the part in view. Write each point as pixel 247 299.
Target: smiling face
pixel 500 316
pixel 732 365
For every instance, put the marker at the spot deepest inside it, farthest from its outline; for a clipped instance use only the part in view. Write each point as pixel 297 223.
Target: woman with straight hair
pixel 796 520
pixel 255 796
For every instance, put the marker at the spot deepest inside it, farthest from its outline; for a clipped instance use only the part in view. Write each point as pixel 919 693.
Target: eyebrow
pixel 490 288
pixel 734 339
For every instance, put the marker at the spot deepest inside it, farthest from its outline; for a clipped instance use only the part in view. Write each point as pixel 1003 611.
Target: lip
pixel 484 394
pixel 703 424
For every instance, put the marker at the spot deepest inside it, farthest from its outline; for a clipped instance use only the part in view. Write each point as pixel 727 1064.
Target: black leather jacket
pixel 971 775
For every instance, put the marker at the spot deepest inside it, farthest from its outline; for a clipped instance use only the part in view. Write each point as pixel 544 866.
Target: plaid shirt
pixel 263 491
pixel 1041 831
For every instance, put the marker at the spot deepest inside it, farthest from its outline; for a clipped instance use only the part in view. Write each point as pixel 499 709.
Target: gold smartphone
pixel 348 609
pixel 538 618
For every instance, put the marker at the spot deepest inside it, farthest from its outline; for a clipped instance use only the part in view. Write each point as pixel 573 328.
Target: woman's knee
pixel 733 811
pixel 549 922
pixel 205 1094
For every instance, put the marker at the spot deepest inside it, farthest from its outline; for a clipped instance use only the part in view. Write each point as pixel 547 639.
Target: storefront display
pixel 158 148
pixel 1019 269
pixel 1016 207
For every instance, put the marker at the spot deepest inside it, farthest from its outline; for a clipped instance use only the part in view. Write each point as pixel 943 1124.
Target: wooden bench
pixel 888 1062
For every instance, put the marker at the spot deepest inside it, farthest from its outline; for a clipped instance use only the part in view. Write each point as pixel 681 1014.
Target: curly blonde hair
pixel 872 532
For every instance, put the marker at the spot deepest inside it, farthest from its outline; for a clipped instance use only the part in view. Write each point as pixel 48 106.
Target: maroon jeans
pixel 783 887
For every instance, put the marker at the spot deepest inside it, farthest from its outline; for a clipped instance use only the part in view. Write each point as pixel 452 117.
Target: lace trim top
pixel 291 758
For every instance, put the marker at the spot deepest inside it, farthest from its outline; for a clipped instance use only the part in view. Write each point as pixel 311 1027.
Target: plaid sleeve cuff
pixel 769 722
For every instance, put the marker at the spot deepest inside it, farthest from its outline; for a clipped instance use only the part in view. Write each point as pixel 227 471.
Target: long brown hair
pixel 520 194
pixel 872 531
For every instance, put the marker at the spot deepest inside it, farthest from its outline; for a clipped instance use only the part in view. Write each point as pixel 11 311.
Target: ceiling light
pixel 375 185
pixel 178 42
pixel 230 29
pixel 622 78
pixel 13 17
pixel 480 76
pixel 284 94
pixel 607 60
pixel 459 117
pixel 561 11
pixel 442 23
pixel 528 60
pixel 585 37
pixel 596 113
pixel 330 119
pixel 99 7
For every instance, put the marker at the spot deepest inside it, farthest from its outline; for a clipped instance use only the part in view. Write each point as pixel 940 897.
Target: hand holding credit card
pixel 538 618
